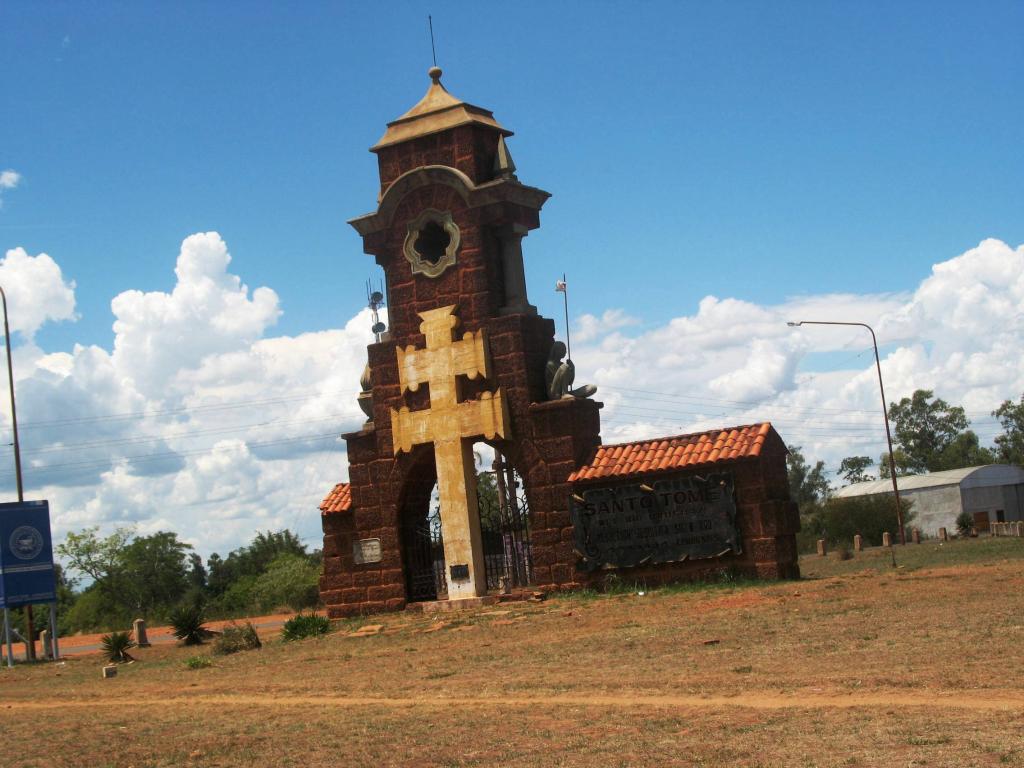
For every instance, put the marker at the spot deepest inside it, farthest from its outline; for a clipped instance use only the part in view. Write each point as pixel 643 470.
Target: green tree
pixel 251 560
pixel 932 435
pixel 156 574
pixel 807 485
pixel 290 580
pixel 852 469
pixel 1010 444
pixel 130 575
pixel 99 560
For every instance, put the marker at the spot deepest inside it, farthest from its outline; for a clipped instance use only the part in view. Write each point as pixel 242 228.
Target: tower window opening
pixel 433 242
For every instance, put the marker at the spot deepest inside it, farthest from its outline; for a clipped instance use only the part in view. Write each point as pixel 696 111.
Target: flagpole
pixel 565 296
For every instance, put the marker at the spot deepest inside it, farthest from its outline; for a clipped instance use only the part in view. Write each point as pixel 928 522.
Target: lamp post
pixel 885 412
pixel 17 461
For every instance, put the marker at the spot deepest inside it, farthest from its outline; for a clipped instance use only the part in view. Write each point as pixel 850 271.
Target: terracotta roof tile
pixel 338 500
pixel 662 454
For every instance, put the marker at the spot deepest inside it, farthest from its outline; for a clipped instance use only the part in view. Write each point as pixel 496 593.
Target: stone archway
pixel 420 535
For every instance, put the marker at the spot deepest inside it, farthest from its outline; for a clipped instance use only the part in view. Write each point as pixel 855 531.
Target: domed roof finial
pixel 435 74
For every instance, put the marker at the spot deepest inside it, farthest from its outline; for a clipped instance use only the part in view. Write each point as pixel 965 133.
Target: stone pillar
pixel 822 548
pixel 516 302
pixel 1020 529
pixel 915 535
pixel 886 539
pixel 858 543
pixel 139 631
pixel 47 646
pixel 943 535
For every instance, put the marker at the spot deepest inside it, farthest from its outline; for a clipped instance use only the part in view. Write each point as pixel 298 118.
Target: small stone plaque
pixel 460 573
pixel 367 551
pixel 676 519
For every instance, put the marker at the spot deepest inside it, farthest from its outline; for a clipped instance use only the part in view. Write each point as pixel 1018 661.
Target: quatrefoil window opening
pixel 431 242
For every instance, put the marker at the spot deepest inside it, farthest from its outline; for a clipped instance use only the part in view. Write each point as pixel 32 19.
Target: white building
pixel 992 493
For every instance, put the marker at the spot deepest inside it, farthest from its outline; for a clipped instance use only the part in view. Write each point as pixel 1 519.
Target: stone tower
pixel 463 360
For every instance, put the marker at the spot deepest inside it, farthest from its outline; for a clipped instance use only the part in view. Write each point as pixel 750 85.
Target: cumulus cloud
pixel 158 335
pixel 731 362
pixel 195 420
pixel 36 291
pixel 200 422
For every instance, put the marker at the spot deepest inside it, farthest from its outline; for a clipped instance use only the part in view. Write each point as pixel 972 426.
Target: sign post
pixel 27 573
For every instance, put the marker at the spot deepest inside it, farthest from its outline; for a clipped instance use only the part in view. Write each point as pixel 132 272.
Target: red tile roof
pixel 338 500
pixel 677 452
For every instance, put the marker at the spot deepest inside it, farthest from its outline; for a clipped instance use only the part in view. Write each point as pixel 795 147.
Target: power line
pixel 184 409
pixel 92 463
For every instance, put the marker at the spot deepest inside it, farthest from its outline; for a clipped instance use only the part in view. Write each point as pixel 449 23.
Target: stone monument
pixel 466 358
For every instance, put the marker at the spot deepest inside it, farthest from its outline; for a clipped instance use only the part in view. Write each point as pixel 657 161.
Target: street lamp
pixel 885 413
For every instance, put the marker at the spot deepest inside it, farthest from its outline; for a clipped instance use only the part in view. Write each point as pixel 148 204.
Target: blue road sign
pixel 26 554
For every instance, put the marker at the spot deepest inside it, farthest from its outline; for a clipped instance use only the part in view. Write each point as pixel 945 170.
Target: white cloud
pixel 194 416
pixel 9 179
pixel 959 333
pixel 36 291
pixel 198 422
pixel 159 336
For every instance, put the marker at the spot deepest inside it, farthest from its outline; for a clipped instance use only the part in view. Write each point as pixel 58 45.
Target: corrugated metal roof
pixel 968 477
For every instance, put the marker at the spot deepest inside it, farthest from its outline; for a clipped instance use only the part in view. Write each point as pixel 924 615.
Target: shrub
pixel 198 662
pixel 290 580
pixel 116 645
pixel 305 625
pixel 237 598
pixel 234 638
pixel 964 523
pixel 839 520
pixel 187 623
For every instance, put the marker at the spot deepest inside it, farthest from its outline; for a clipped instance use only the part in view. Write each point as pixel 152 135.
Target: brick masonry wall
pixel 767 519
pixel 547 440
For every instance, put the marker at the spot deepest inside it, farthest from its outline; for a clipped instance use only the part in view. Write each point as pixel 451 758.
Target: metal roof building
pixel 991 493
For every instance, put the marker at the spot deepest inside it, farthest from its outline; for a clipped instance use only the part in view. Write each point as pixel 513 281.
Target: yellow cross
pixel 450 425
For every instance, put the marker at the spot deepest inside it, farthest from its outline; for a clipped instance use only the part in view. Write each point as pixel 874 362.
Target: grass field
pixel 858 664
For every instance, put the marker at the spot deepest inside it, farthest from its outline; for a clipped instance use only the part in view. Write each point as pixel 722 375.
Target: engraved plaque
pixel 366 551
pixel 460 572
pixel 676 519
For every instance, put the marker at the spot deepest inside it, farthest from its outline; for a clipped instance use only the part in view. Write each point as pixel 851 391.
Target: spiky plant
pixel 305 625
pixel 234 638
pixel 187 622
pixel 116 645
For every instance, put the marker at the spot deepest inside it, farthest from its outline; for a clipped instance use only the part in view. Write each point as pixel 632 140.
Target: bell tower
pixel 463 359
pixel 451 215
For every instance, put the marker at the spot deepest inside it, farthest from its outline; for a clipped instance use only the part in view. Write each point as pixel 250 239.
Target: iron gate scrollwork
pixel 505 534
pixel 424 558
pixel 504 527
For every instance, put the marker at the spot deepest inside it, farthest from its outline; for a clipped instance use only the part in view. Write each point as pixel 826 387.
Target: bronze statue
pixel 559 376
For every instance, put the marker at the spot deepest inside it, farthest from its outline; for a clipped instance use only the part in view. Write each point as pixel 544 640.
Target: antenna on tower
pixel 375 300
pixel 433 53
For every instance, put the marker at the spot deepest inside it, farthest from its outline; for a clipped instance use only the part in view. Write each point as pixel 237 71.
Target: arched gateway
pixel 468 359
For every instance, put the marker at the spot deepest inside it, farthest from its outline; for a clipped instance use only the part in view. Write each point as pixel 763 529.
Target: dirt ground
pixel 858 664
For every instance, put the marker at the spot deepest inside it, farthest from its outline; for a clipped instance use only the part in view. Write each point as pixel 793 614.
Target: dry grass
pixel 871 667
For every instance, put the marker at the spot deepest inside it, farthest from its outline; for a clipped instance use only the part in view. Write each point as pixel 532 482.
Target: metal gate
pixel 424 558
pixel 504 527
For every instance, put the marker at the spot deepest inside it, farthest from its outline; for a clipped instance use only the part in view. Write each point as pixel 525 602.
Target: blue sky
pixel 716 170
pixel 755 149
